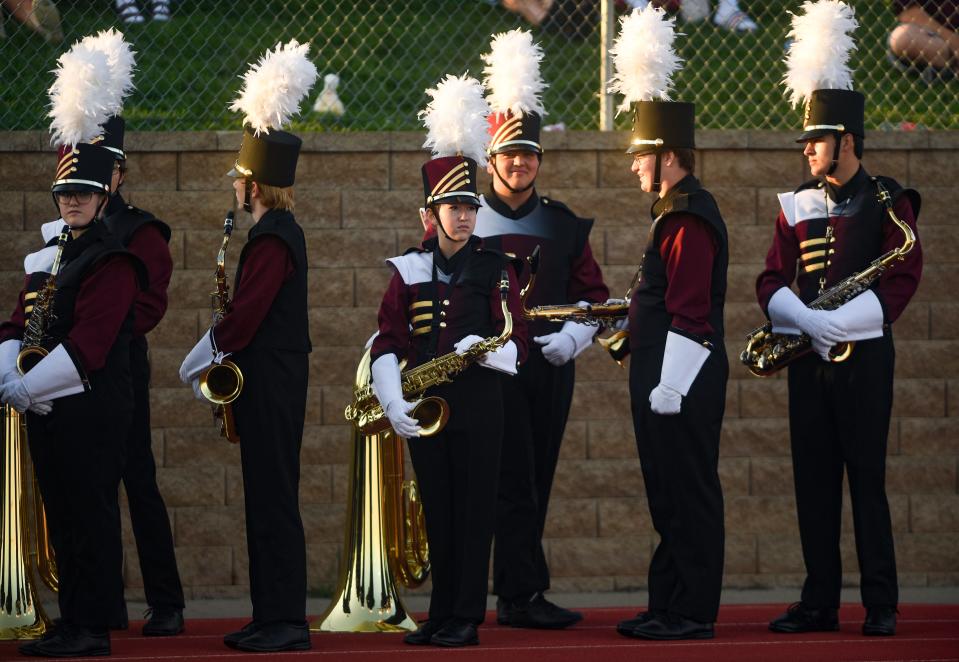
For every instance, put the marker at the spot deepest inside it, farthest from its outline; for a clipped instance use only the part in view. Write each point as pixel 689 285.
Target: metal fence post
pixel 607 32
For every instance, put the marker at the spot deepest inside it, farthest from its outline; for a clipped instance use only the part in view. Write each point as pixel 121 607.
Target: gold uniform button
pixel 442 325
pixel 446 302
pixel 442 313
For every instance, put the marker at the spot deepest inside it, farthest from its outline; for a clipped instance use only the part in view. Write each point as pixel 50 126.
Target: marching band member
pixel 513 218
pixel 78 307
pixel 147 237
pixel 444 297
pixel 832 227
pixel 678 370
pixel 265 333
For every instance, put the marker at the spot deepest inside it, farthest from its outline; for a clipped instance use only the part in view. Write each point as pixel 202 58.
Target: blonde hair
pixel 276 197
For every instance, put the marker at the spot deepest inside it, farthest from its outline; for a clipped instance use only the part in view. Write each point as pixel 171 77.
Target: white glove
pixel 558 348
pixel 199 359
pixel 41 408
pixel 861 318
pixel 665 400
pixel 13 393
pixel 197 393
pixel 502 360
pixel 464 344
pixel 388 388
pixel 620 324
pixel 9 350
pixel 790 315
pixel 682 360
pixel 55 376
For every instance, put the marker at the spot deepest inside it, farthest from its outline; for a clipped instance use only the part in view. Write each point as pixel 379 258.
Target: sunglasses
pixel 81 197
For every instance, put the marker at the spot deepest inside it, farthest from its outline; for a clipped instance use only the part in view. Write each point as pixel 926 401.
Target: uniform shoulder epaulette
pixel 502 258
pixel 414 249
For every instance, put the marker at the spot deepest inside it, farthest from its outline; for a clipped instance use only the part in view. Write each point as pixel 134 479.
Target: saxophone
pixel 222 382
pixel 768 352
pixel 592 314
pixel 41 315
pixel 368 415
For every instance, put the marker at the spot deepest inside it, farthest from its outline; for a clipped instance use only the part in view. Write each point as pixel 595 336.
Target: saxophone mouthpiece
pixel 504 284
pixel 228 222
pixel 533 260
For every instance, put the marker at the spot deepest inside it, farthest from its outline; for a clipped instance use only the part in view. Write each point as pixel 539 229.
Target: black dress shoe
pixel 233 638
pixel 669 627
pixel 625 627
pixel 880 622
pixel 70 641
pixel 455 634
pixel 503 610
pixel 422 635
pixel 802 618
pixel 542 614
pixel 275 637
pixel 163 622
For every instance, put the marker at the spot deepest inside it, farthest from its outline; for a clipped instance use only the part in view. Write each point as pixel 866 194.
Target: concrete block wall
pixel 357 195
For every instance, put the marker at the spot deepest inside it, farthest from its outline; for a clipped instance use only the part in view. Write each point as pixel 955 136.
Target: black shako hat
pixel 83 167
pixel 268 158
pixel 449 180
pixel 508 132
pixel 662 125
pixel 829 110
pixel 112 137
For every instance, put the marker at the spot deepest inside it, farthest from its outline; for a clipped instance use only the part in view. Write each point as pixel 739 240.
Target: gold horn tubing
pixel 221 384
pixel 29 357
pixel 384 537
pixel 21 613
pixel 617 346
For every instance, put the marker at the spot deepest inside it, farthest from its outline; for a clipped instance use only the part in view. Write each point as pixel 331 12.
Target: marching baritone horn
pixel 385 538
pixel 222 382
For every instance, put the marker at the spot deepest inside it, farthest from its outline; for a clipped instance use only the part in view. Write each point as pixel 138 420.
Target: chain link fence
pixel 387 52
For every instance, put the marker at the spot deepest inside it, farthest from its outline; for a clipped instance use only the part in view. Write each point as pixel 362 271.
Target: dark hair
pixel 686 158
pixel 857 145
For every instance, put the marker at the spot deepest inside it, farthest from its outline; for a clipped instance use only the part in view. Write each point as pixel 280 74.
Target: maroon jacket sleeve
pixel 688 248
pixel 149 245
pixel 899 283
pixel 13 328
pixel 516 311
pixel 102 304
pixel 586 280
pixel 393 321
pixel 267 265
pixel 780 263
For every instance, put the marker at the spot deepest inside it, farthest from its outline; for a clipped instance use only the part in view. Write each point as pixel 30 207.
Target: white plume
pixel 819 54
pixel 120 57
pixel 79 102
pixel 643 57
pixel 512 76
pixel 455 119
pixel 274 87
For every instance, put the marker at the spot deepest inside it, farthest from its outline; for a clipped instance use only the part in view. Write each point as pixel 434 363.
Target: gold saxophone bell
pixel 221 384
pixel 21 555
pixel 432 414
pixel 29 357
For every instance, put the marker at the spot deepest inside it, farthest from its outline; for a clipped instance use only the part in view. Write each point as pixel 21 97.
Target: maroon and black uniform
pixel 432 303
pixel 839 412
pixel 537 401
pixel 78 449
pixel 682 290
pixel 267 332
pixel 147 237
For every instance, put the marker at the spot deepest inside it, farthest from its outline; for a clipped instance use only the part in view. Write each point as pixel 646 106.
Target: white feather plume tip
pixel 120 58
pixel 275 86
pixel 643 57
pixel 819 54
pixel 512 76
pixel 79 103
pixel 455 118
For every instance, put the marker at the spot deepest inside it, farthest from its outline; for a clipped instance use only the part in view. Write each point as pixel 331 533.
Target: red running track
pixel 927 633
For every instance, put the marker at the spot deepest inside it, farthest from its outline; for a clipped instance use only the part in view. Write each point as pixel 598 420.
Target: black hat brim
pixel 815 133
pixel 73 187
pixel 459 200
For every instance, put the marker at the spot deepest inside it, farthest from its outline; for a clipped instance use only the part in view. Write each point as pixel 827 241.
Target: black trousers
pixel 680 462
pixel 148 513
pixel 269 416
pixel 457 471
pixel 536 405
pixel 839 419
pixel 78 452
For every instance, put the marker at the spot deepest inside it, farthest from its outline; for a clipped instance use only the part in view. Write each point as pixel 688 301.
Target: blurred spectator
pixel 41 16
pixel 129 11
pixel 926 40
